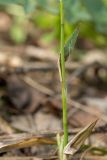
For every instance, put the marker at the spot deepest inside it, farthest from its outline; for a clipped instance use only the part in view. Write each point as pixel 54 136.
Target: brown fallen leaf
pixel 20 158
pixel 16 141
pixel 5 127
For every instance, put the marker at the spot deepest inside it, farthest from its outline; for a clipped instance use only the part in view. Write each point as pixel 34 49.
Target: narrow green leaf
pixel 69 45
pixel 75 143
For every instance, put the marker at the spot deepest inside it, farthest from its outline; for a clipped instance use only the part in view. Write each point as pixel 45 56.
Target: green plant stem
pixel 64 89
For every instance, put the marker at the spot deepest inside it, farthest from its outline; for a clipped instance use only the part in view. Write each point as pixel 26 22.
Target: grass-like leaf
pixel 69 45
pixel 75 143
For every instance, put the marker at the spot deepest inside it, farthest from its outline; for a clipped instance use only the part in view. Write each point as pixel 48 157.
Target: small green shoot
pixel 62 71
pixel 65 50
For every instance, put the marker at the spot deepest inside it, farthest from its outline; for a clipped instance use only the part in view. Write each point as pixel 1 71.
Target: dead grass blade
pixel 75 143
pixel 16 141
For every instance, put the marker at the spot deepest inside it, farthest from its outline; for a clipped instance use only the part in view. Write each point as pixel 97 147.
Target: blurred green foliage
pixel 17 34
pixel 75 10
pixel 90 14
pixel 94 11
